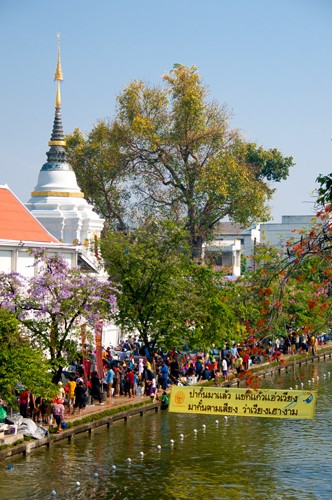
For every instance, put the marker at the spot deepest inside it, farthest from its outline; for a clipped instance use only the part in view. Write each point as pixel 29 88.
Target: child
pixel 164 401
pixel 59 414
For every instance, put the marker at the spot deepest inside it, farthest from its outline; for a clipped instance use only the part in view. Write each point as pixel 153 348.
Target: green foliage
pixel 325 189
pixel 213 319
pixel 269 164
pixel 20 362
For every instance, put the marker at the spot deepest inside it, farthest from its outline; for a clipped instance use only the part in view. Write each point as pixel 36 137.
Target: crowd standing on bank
pixel 130 371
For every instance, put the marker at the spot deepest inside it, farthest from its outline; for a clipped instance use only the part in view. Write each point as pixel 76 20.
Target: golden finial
pixel 58 77
pixel 57 138
pixel 58 72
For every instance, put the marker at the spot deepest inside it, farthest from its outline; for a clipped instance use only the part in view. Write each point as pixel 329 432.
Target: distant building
pixel 231 241
pixel 277 234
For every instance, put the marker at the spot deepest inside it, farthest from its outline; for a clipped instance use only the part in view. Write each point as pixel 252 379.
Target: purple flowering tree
pixel 55 303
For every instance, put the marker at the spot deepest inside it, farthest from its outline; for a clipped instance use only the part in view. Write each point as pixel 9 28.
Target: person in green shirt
pixel 164 401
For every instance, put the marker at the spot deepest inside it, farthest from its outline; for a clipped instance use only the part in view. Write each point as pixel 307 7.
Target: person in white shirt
pixel 224 368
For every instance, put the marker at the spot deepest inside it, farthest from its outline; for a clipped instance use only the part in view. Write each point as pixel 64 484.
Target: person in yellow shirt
pixel 71 393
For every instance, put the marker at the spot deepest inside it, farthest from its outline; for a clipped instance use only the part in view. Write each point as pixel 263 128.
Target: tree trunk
pixel 57 375
pixel 197 249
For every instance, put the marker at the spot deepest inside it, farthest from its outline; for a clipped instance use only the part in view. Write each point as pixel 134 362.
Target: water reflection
pixel 239 458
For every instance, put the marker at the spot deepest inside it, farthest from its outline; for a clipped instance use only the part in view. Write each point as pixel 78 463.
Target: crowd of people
pixel 127 372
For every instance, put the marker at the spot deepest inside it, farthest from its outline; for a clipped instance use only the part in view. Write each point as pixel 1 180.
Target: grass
pixel 97 416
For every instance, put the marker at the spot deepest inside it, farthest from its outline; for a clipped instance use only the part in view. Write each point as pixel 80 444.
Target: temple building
pixel 57 201
pixel 20 232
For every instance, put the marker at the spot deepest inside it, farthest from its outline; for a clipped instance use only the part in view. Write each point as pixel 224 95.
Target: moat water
pixel 241 458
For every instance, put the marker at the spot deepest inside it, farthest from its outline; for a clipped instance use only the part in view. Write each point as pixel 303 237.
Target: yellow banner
pixel 269 403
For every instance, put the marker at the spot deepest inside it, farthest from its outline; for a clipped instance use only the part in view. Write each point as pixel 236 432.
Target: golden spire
pixel 58 76
pixel 57 137
pixel 58 72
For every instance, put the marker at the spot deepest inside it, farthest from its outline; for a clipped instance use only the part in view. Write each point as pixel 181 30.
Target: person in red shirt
pixel 24 403
pixel 130 381
pixel 245 358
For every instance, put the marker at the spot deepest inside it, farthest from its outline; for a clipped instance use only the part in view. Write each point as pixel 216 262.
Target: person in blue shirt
pixel 206 374
pixel 164 375
pixel 199 369
pixel 109 382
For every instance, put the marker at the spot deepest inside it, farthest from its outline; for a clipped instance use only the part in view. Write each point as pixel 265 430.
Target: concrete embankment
pixel 85 423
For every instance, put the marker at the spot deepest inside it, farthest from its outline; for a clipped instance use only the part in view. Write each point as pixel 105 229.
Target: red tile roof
pixel 17 222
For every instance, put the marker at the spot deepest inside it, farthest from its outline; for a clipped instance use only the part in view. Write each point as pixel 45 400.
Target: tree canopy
pixel 178 158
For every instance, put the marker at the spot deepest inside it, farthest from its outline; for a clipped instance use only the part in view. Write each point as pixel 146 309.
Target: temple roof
pixel 17 223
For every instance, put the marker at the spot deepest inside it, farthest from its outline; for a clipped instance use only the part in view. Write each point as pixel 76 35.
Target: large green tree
pixel 181 158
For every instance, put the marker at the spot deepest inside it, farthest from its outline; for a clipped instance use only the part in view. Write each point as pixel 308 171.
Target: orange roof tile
pixel 17 222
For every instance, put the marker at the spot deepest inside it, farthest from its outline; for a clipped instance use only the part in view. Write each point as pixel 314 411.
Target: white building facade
pixel 232 241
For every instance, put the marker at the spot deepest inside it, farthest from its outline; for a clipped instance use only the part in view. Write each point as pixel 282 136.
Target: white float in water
pixel 95 474
pixel 172 441
pixel 181 436
pixel 195 431
pixel 129 460
pixel 324 375
pixel 141 454
pixel 216 422
pixel 158 447
pixel 113 467
pixel 53 493
pixel 225 417
pixel 78 483
pixel 203 427
pixel 329 373
pixel 296 387
pixel 313 380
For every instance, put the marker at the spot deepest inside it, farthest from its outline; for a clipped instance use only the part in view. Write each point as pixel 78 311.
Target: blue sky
pixel 268 60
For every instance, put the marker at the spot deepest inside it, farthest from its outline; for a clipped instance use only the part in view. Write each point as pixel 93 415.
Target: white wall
pixel 277 234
